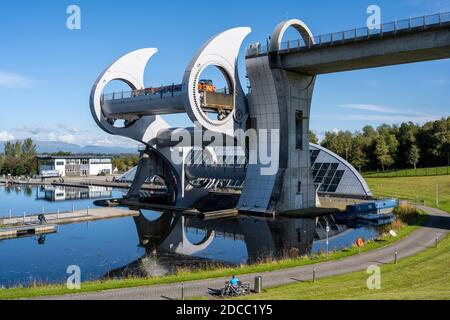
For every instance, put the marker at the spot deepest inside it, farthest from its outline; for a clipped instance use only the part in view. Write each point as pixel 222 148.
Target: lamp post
pixel 328 231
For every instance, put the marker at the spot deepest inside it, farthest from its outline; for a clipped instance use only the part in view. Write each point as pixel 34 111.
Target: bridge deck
pixel 406 41
pixel 140 103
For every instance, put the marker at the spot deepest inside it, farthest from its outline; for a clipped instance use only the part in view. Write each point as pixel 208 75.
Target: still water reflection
pixel 159 244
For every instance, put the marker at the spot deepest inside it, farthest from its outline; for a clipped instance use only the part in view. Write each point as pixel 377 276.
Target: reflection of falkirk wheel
pixel 178 242
pixel 277 97
pixel 169 234
pixel 262 237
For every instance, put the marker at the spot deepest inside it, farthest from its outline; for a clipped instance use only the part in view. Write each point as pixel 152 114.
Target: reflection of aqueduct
pixel 166 242
pixel 282 78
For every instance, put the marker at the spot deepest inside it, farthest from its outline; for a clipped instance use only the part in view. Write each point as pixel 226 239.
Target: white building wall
pixel 95 167
pixel 60 166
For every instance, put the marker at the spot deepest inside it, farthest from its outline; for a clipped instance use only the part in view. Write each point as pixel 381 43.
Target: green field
pixel 424 276
pixel 419 172
pixel 418 189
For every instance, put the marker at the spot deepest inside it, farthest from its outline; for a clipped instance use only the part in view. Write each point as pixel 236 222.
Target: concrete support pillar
pixel 142 173
pixel 295 187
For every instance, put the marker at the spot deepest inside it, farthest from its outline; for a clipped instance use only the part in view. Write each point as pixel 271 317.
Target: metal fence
pixel 143 94
pixel 419 172
pixel 390 28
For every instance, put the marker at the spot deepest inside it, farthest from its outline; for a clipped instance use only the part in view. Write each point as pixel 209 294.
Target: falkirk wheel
pixel 273 117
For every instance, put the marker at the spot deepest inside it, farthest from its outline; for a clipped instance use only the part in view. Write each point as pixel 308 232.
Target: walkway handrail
pixel 148 93
pixel 151 93
pixel 406 25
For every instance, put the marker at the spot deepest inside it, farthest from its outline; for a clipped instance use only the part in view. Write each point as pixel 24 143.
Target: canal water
pixel 152 244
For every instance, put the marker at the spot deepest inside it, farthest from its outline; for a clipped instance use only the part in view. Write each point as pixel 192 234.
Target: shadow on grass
pixel 437 222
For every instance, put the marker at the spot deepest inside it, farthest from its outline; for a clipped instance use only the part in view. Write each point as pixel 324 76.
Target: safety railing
pixel 152 93
pixel 400 26
pixel 144 94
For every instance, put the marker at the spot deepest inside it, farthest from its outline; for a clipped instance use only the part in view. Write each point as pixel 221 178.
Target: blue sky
pixel 46 70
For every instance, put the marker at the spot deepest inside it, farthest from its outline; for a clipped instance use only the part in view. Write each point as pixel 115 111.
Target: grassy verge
pixel 424 276
pixel 418 189
pixel 54 290
pixel 419 172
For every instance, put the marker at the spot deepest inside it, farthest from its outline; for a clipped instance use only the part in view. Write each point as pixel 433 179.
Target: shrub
pixel 406 213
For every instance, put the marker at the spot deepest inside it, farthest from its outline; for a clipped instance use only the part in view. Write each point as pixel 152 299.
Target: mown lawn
pixel 424 276
pixel 420 172
pixel 415 189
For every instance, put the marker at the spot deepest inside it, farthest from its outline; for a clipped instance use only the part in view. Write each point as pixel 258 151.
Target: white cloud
pixel 54 136
pixel 68 138
pixel 33 130
pixel 64 127
pixel 369 107
pixel 112 141
pixel 14 81
pixel 6 136
pixel 63 133
pixel 336 130
pixel 51 136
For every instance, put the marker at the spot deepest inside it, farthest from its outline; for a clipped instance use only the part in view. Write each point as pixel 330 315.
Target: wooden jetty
pixel 157 207
pixel 230 213
pixel 27 230
pixel 184 211
pixel 71 217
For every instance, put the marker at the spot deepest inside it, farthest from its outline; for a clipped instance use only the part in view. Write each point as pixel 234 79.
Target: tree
pixel 29 148
pixel 414 156
pixel 119 164
pixel 17 149
pixel 359 156
pixel 382 153
pixel 13 166
pixel 19 158
pixel 10 149
pixel 340 143
pixel 441 137
pixel 124 163
pixel 390 136
pixel 370 132
pixel 313 137
pixel 407 136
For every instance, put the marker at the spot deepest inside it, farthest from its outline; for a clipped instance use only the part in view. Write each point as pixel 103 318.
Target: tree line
pixel 19 158
pixel 387 147
pixel 393 147
pixel 125 162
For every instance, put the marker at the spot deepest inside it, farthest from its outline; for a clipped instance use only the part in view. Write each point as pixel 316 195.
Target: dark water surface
pixel 152 244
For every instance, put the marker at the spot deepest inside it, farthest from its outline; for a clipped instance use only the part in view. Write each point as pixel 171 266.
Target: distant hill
pixel 55 146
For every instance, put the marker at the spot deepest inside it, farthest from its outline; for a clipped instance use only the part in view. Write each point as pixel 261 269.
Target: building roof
pixel 357 178
pixel 72 157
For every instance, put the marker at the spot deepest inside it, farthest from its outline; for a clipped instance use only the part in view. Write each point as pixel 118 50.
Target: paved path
pixel 88 214
pixel 438 224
